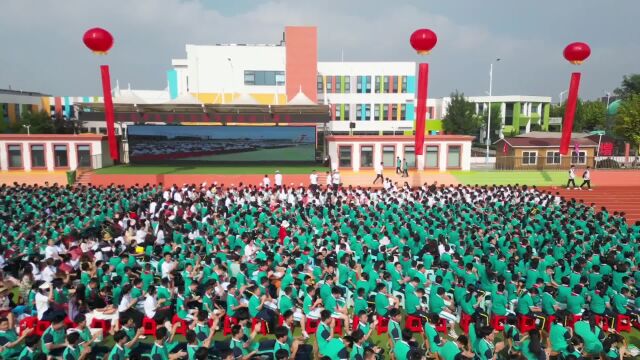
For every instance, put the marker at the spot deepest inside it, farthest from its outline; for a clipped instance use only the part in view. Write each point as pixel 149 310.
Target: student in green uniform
pixel 237 345
pixel 432 340
pixel 10 342
pixel 457 349
pixel 532 347
pixel 118 351
pixel 73 351
pixel 614 347
pixel 394 329
pixel 402 348
pixel 559 336
pixel 486 349
pixel 160 351
pixel 53 339
pixel 30 349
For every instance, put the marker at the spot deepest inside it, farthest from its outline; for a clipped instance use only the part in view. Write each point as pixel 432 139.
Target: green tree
pixel 38 123
pixel 593 115
pixel 461 117
pixel 630 85
pixel 627 124
pixel 496 120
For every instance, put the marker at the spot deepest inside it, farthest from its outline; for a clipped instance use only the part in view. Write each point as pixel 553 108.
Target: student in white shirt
pixel 266 182
pixel 153 310
pixel 313 180
pixel 278 179
pixel 572 177
pixel 586 178
pixel 379 169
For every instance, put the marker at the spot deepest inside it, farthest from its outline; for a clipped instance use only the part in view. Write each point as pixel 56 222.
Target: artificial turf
pixel 539 178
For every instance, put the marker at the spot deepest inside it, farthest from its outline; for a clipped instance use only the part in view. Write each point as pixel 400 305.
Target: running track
pixel 613 198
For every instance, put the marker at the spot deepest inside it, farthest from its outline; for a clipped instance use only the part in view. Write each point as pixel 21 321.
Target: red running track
pixel 613 198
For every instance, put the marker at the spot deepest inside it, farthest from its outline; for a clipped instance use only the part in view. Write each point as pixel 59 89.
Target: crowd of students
pixel 428 267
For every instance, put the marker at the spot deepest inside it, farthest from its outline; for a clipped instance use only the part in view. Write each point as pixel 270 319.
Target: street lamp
pixel 489 115
pixel 600 133
pixel 28 127
pixel 561 95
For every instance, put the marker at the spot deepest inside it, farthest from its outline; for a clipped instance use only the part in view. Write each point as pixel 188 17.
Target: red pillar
pixel 421 108
pixel 108 113
pixel 569 112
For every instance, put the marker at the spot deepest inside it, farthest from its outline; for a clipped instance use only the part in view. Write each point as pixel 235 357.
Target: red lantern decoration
pixel 423 40
pixel 98 40
pixel 577 52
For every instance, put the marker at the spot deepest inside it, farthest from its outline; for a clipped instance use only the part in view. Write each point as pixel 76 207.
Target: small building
pixel 53 152
pixel 362 152
pixel 543 153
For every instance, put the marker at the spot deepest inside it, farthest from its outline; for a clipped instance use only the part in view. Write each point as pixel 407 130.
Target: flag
pixel 505 147
pixel 576 147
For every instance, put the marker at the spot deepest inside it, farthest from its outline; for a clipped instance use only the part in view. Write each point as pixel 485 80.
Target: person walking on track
pixel 398 165
pixel 405 168
pixel 379 169
pixel 586 178
pixel 572 177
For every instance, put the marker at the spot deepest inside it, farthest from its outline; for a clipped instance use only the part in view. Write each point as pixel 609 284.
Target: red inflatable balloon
pixel 423 40
pixel 577 52
pixel 98 40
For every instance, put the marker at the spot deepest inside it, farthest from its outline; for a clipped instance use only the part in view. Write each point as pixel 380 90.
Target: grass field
pixel 294 153
pixel 539 178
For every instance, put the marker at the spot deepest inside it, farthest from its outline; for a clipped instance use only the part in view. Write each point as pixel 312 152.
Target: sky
pixel 42 47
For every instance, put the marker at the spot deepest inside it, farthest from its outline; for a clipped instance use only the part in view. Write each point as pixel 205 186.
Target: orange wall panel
pixel 302 61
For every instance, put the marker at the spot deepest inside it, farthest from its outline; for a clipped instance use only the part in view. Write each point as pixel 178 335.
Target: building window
pixel 578 157
pixel 15 156
pixel 404 85
pixel 453 157
pixel 60 156
pixel 385 111
pixel 410 155
pixel 377 85
pixel 396 80
pixel 367 80
pixel 376 111
pixel 367 111
pixel 386 84
pixel 266 78
pixel 394 111
pixel 347 110
pixel 508 116
pixel 431 157
pixel 388 155
pixel 529 157
pixel 37 156
pixel 366 156
pixel 403 112
pixel 534 108
pixel 344 156
pixel 84 156
pixel 320 86
pixel 329 85
pixel 553 158
pixel 338 84
pixel 359 84
pixel 359 112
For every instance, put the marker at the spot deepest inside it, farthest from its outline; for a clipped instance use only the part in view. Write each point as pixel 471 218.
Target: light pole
pixel 560 96
pixel 28 127
pixel 488 140
pixel 231 86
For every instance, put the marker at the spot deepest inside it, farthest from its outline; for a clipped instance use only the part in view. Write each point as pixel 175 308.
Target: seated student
pixel 486 349
pixel 127 306
pixel 133 345
pixel 182 309
pixel 549 304
pixel 437 306
pixel 119 352
pixel 576 301
pixel 614 347
pixel 194 344
pixel 286 303
pixel 88 340
pixel 402 347
pixel 599 301
pixel 337 311
pixel 239 347
pixel 299 349
pixel 364 326
pixel 360 303
pixel 270 347
pixel 53 339
pixel 394 328
pixel 532 347
pixel 527 307
pixel 73 351
pixel 413 303
pixel 257 308
pixel 153 309
pixel 432 340
pixel 511 335
pixel 310 307
pixel 559 336
pixel 384 301
pixel 620 302
pixel 456 350
pixel 574 350
pixel 159 351
pixel 469 301
pixel 499 301
pixel 10 342
pixel 591 334
pixel 30 348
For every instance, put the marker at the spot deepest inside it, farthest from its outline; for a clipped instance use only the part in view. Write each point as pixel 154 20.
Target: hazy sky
pixel 42 47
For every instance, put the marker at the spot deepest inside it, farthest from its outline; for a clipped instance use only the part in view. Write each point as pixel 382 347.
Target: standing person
pixel 398 165
pixel 278 180
pixel 586 178
pixel 405 168
pixel 329 179
pixel 266 182
pixel 313 180
pixel 572 177
pixel 335 179
pixel 379 169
